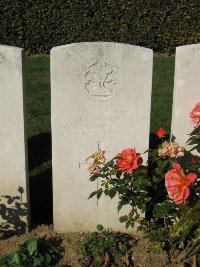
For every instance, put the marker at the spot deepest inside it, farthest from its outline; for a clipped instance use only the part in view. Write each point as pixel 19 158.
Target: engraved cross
pixel 99 146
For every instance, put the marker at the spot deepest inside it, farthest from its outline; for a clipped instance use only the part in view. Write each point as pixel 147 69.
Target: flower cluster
pixel 170 149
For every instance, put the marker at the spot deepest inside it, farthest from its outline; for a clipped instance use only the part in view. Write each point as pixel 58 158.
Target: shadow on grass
pixel 40 180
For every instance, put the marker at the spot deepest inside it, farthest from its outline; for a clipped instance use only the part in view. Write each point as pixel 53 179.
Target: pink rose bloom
pixel 195 115
pixel 128 160
pixel 177 184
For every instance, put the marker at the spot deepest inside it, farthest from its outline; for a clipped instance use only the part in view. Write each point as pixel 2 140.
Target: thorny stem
pixel 135 209
pixel 191 250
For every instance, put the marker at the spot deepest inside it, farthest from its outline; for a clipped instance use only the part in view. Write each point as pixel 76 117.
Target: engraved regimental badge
pixel 100 81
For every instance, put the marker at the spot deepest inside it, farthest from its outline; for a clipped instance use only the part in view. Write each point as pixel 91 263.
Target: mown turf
pixel 162 92
pixel 37 94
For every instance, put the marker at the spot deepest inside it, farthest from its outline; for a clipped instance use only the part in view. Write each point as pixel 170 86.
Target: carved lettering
pixel 107 122
pixel 91 130
pixel 7 133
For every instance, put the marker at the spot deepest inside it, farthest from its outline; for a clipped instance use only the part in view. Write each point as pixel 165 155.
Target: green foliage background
pixel 39 25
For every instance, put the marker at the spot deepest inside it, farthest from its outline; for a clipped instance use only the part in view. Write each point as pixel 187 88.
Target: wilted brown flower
pixel 98 159
pixel 172 150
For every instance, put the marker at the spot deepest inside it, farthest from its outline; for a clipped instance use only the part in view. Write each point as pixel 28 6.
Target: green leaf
pixel 15 258
pixel 113 172
pixel 146 182
pixel 195 131
pixel 155 179
pixel 165 163
pixel 123 218
pixel 100 227
pixel 48 258
pixel 193 141
pixel 92 194
pixel 128 224
pixel 112 193
pixel 93 177
pixel 32 246
pixel 132 224
pixel 100 191
pixel 110 240
pixel 119 207
pixel 122 190
pixel 37 262
pixel 195 147
pixel 159 163
pixel 161 209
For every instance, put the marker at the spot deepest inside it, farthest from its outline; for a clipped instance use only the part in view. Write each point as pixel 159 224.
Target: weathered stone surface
pixel 101 98
pixel 186 90
pixel 13 171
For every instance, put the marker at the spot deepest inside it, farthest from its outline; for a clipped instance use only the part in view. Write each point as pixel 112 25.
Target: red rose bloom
pixel 128 160
pixel 161 132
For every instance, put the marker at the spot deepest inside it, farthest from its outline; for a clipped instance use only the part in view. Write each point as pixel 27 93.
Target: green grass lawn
pixel 39 127
pixel 37 94
pixel 162 92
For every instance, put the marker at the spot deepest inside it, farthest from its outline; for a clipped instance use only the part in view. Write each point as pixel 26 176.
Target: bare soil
pixel 143 254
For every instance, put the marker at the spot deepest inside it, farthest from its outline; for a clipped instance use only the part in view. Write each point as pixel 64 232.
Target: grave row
pixel 100 99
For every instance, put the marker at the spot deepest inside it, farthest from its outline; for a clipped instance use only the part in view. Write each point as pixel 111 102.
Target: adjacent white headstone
pixel 186 90
pixel 101 98
pixel 13 167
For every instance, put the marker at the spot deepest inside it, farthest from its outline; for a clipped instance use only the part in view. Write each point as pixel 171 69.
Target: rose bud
pixel 161 132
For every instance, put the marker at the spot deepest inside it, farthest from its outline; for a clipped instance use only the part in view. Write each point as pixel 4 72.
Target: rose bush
pixel 168 190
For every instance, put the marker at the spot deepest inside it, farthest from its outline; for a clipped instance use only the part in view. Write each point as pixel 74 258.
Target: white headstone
pixel 13 167
pixel 186 90
pixel 101 98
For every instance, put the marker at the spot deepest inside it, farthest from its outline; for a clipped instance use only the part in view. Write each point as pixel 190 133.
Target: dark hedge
pixel 39 25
